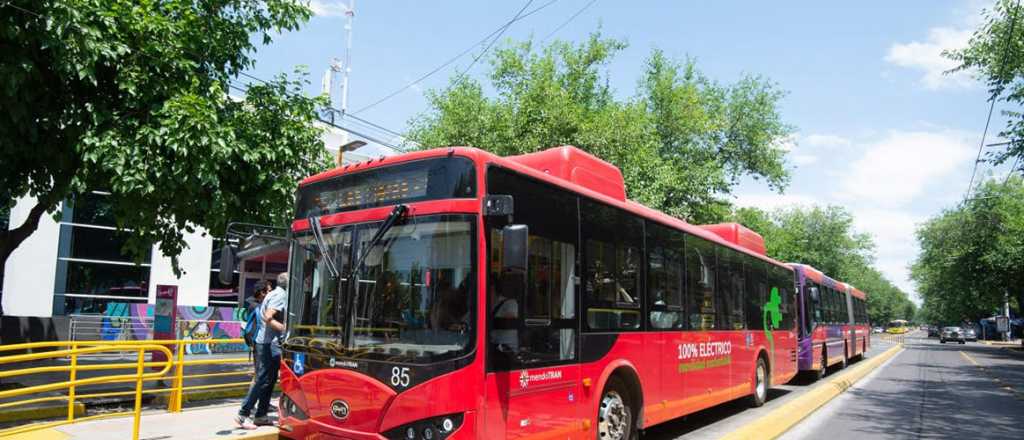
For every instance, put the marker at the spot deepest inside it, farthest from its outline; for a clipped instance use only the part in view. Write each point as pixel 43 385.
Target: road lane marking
pixel 976 364
pixel 1002 385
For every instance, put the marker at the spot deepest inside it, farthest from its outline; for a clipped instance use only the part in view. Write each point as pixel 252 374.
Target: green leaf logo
pixel 771 317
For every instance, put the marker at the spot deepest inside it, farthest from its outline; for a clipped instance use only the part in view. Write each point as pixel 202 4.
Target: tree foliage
pixel 132 98
pixel 824 237
pixel 972 255
pixel 682 141
pixel 994 53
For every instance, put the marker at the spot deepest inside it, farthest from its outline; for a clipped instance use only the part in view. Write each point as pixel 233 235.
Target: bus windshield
pixel 414 294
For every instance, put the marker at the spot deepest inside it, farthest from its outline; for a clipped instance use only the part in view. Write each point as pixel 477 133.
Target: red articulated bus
pixel 455 294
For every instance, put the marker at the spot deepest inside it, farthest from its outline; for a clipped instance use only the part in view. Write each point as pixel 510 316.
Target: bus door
pixel 851 345
pixel 700 374
pixel 533 381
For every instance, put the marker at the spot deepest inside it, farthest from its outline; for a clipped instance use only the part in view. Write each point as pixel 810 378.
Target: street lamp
pixel 351 146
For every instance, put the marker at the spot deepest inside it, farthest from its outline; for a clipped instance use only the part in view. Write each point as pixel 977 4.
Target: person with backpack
pixel 268 356
pixel 253 322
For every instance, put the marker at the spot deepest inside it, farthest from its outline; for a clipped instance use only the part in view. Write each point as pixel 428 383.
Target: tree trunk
pixel 11 239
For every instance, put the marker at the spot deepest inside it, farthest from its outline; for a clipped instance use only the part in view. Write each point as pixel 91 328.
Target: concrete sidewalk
pixel 214 422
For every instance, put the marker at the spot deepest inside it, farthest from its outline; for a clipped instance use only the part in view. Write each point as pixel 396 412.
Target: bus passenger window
pixel 538 326
pixel 700 276
pixel 665 270
pixel 612 259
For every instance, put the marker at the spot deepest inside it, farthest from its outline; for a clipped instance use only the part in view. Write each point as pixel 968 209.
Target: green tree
pixel 824 237
pixel 682 141
pixel 132 98
pixel 994 53
pixel 972 255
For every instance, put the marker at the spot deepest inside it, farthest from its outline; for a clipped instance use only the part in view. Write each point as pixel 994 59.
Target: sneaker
pixel 244 422
pixel 263 421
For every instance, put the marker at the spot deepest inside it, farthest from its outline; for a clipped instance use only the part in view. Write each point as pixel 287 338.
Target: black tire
pixel 762 381
pixel 962 342
pixel 616 413
pixel 942 341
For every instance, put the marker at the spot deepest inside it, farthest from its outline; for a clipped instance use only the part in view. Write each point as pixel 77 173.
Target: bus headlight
pixel 288 408
pixel 434 428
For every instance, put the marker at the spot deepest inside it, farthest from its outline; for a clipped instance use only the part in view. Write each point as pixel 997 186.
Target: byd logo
pixel 339 409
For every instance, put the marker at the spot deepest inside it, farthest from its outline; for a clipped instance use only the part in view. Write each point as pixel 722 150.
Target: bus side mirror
pixel 227 264
pixel 514 255
pixel 814 294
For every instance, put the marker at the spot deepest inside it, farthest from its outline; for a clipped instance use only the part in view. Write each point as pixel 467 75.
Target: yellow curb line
pixel 781 419
pixel 40 412
pixel 42 434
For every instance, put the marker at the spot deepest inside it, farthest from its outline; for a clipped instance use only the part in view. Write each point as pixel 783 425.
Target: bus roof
pixel 566 167
pixel 820 278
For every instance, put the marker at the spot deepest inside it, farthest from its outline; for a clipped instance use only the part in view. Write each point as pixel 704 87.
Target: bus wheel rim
pixel 613 417
pixel 762 386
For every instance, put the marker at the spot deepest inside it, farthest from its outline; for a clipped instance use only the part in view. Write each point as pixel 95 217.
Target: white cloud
pixel 328 8
pixel 902 164
pixel 787 143
pixel 804 159
pixel 825 141
pixel 927 57
pixel 771 201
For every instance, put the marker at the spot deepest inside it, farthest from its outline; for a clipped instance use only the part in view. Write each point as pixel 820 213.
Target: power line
pixel 1013 169
pixel 566 22
pixel 995 95
pixel 453 59
pixel 332 124
pixel 347 115
pixel 460 76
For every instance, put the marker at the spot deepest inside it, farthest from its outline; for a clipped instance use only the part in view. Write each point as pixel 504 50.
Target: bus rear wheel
pixel 761 382
pixel 615 414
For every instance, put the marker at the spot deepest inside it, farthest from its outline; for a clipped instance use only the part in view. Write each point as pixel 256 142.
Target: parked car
pixel 878 330
pixel 953 334
pixel 933 331
pixel 970 334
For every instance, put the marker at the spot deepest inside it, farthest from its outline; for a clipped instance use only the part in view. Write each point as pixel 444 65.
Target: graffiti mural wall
pixel 133 321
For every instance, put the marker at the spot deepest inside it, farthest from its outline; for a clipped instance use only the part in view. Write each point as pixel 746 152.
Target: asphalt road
pixel 715 422
pixel 929 391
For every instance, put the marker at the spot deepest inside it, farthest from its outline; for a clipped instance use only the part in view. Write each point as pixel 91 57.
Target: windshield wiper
pixel 353 279
pixel 393 218
pixel 321 244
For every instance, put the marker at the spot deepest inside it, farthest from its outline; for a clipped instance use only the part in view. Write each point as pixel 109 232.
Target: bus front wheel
pixel 761 382
pixel 616 413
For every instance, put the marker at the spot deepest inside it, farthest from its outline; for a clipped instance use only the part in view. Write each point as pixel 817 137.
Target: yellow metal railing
pixel 173 368
pixel 893 338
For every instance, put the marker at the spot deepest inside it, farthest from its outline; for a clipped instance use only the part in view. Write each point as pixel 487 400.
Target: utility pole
pixel 1006 313
pixel 344 68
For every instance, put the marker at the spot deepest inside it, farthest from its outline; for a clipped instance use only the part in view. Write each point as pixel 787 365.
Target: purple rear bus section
pixel 805 358
pixel 805 344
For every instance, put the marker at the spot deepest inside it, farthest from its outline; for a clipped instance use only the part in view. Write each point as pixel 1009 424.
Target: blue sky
pixel 879 129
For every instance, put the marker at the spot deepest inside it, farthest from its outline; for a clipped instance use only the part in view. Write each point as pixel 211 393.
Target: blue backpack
pixel 252 325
